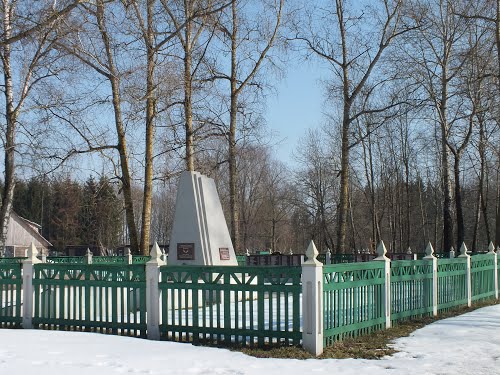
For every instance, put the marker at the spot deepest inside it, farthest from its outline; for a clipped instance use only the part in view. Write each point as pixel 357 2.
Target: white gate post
pixel 27 302
pixel 382 257
pixel 328 256
pixel 128 255
pixel 312 302
pixel 463 254
pixel 88 256
pixel 492 252
pixel 429 255
pixel 153 293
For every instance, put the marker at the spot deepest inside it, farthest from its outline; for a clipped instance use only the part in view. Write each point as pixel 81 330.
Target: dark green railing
pixel 353 297
pixel 231 304
pixel 411 289
pixel 97 298
pixel 483 276
pixel 452 283
pixel 10 295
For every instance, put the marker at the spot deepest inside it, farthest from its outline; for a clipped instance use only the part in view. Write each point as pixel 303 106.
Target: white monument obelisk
pixel 199 233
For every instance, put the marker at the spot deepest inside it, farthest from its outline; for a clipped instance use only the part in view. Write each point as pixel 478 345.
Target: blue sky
pixel 298 106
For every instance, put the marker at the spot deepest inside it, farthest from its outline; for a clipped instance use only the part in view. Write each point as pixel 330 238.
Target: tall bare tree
pixel 34 26
pixel 338 35
pixel 249 45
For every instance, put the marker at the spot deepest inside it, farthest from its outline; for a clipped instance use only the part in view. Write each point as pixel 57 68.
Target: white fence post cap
pixel 491 248
pixel 156 255
pixel 381 251
pixel 429 251
pixel 312 254
pixel 463 250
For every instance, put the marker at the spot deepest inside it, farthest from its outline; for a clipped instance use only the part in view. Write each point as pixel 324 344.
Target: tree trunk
pixel 150 114
pixel 188 100
pixel 497 39
pixel 344 183
pixel 458 203
pixel 446 181
pixel 233 171
pixel 120 131
pixel 10 118
pixel 497 226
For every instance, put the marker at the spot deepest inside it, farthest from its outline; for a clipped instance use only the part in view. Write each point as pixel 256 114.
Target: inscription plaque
pixel 185 251
pixel 224 253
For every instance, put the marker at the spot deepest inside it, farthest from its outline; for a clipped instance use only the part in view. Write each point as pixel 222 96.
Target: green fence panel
pixel 109 260
pixel 231 304
pixel 411 289
pixel 89 297
pixel 483 276
pixel 242 260
pixel 10 260
pixel 140 259
pixel 10 295
pixel 353 298
pixel 66 260
pixel 452 283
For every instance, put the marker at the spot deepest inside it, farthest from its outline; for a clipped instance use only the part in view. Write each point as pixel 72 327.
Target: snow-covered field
pixel 469 344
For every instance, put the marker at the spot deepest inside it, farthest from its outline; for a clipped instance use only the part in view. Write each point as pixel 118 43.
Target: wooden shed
pixel 20 234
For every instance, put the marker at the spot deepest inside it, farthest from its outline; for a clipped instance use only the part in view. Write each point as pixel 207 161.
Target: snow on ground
pixel 468 344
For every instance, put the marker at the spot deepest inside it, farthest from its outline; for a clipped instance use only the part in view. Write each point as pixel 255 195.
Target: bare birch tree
pixel 338 35
pixel 35 27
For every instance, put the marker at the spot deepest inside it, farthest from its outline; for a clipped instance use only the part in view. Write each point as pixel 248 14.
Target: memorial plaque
pixel 185 251
pixel 224 253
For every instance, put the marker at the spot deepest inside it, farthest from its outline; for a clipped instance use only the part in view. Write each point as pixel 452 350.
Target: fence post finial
pixel 409 251
pixel 381 251
pixel 312 254
pixel 491 247
pixel 429 250
pixel 463 250
pixel 156 254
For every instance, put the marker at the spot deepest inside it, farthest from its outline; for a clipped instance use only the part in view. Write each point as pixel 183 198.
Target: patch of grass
pixel 372 346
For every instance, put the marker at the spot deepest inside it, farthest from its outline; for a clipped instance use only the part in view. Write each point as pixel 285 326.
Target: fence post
pixel 312 302
pixel 382 257
pixel 153 293
pixel 27 302
pixel 128 255
pixel 88 256
pixel 491 251
pixel 452 253
pixel 429 255
pixel 463 254
pixel 328 256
